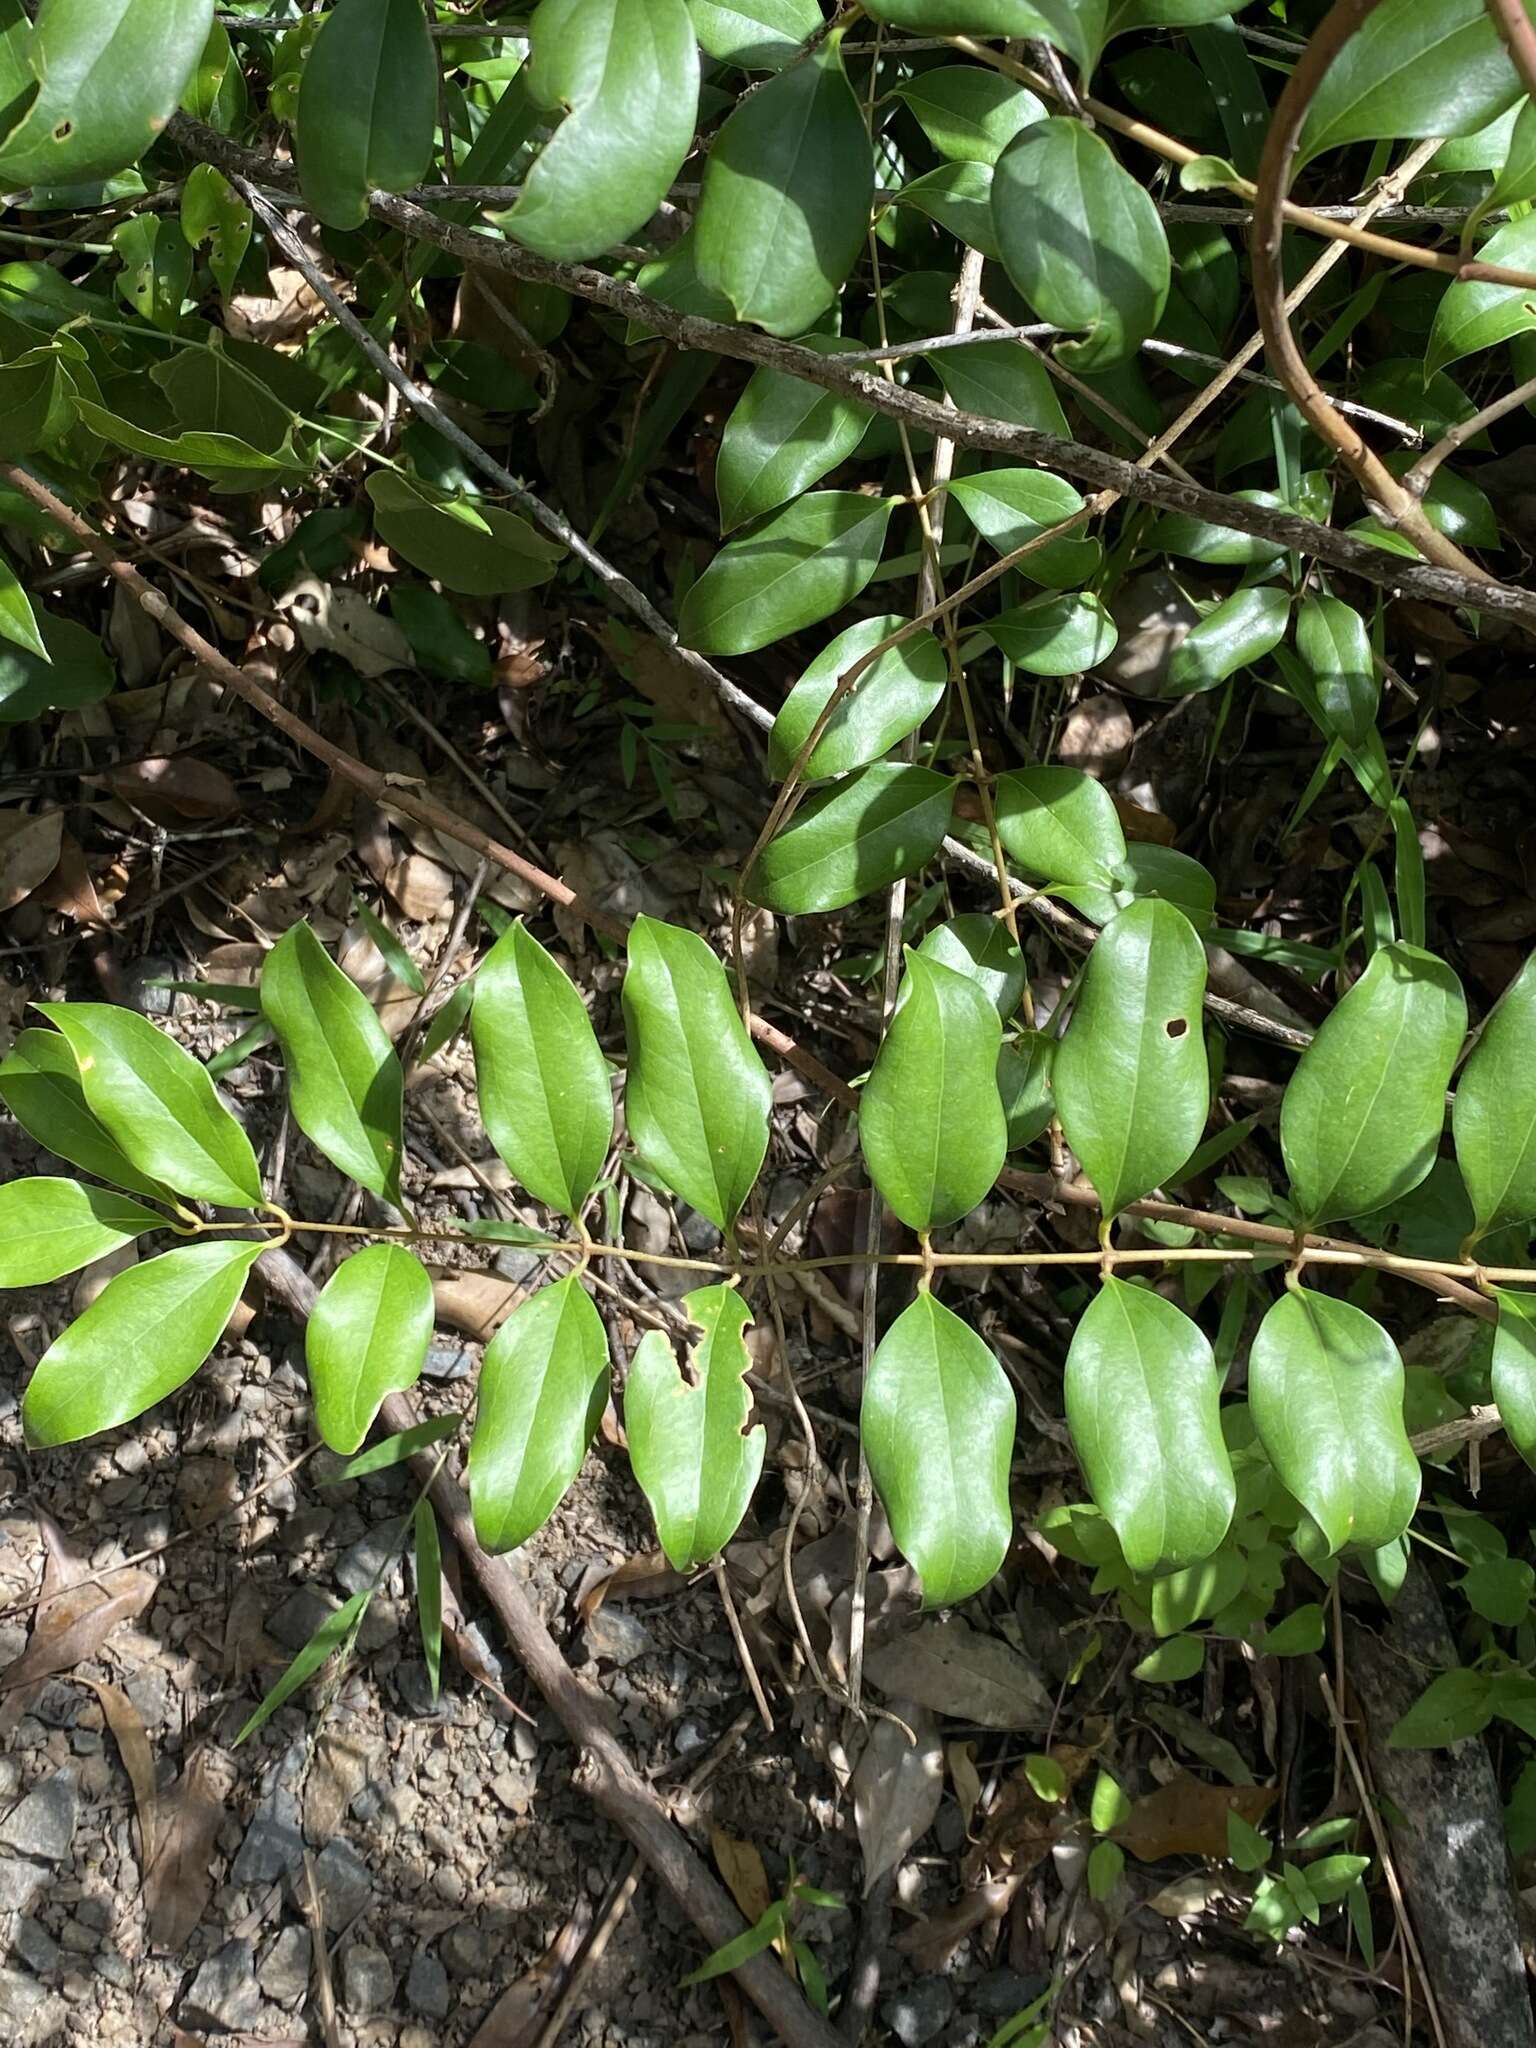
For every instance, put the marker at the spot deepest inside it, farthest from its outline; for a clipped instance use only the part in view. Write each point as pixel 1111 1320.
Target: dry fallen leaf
pixel 132 1738
pixel 642 1577
pixel 1022 1827
pixel 1188 1817
pixel 70 887
pixel 475 1303
pixel 329 618
pixel 954 1669
pixel 179 1882
pixel 29 852
pixel 520 2015
pixel 73 1628
pixel 897 1788
pixel 741 1865
pixel 174 788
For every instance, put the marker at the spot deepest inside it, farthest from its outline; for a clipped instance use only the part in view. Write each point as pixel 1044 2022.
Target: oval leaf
pixel 758 35
pixel 856 837
pixel 937 1423
pixel 697 1096
pixel 543 1388
pixel 1143 1400
pixel 1514 1369
pixel 344 1082
pixel 543 1083
pixel 982 949
pixel 1494 1116
pixel 1059 824
pixel 481 550
pixel 1130 1077
pixel 1361 1119
pixel 693 1455
pixel 968 113
pixel 143 1336
pixel 1010 506
pixel 1234 634
pixel 367 1336
pixel 1474 315
pixel 40 1086
pixel 367 108
pixel 1001 380
pixel 931 1121
pixel 158 1104
pixel 52 1227
pixel 1325 1387
pixel 1332 640
pixel 890 699
pixel 1412 70
pixel 783 436
pixel 800 564
pixel 1055 636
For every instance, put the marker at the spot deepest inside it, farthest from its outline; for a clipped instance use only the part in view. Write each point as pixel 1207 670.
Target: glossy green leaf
pixel 1171 1662
pixel 1456 1704
pixel 52 1227
pixel 1494 1117
pixel 1361 1120
pixel 395 1450
pixel 225 458
pixel 982 949
pixel 1517 174
pixel 157 269
pixel 1001 380
pixel 1415 67
pixel 931 1121
pixel 1129 14
pixel 40 1086
pixel 18 621
pixel 545 1096
pixel 389 948
pixel 543 1388
pixel 852 838
pixel 367 108
pixel 958 197
pixel 429 1589
pixel 1514 1369
pixel 1024 1083
pixel 1059 824
pixel 1473 316
pixel 334 1633
pixel 960 17
pixel 143 1336
pixel 890 699
pixel 1148 870
pixel 1011 506
pixel 783 435
pixel 787 192
pixel 158 1104
pixel 1130 1076
pixel 1332 640
pixel 1081 239
pixel 757 35
pixel 344 1082
pixel 1181 533
pixel 441 642
pixel 448 1022
pixel 1234 634
pixel 968 113
pixel 800 564
pixel 625 74
pixel 1142 1399
pixel 693 1455
pixel 697 1096
pixel 109 73
pixel 1325 1389
pixel 468 546
pixel 367 1337
pixel 937 1424
pixel 1055 636
pixel 1300 1634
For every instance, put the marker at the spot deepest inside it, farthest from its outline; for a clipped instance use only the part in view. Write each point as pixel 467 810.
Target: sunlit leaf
pixel 367 1337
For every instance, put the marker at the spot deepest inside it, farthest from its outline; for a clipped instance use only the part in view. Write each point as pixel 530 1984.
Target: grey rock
pixel 470 1951
pixel 272 1847
pixel 426 1988
pixel 516 1264
pixel 1005 1992
pixel 43 1825
pixel 114 1968
pixel 300 1615
pixel 700 1235
pixel 344 1882
pixel 446 1362
pixel 415 1689
pixel 19 1879
pixel 916 2014
pixel 58 1705
pixel 138 974
pixel 688 1737
pixel 374 1556
pixel 224 1991
pixel 617 1636
pixel 284 1975
pixel 36 1947
pixel 22 2000
pixel 367 1981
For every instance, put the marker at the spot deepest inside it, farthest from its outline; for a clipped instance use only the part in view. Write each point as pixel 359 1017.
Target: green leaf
pixel 1081 239
pixel 1181 533
pixel 937 1423
pixel 1412 69
pixel 1454 1705
pixel 213 212
pixel 757 35
pixel 857 836
pixel 625 73
pixel 1129 14
pixel 1472 315
pixel 1106 1861
pixel 1143 1404
pixel 763 1933
pixel 1516 180
pixel 395 1450
pixel 448 1022
pixel 18 621
pixel 959 198
pixel 982 949
pixel 40 1086
pixel 1332 640
pixel 1172 1662
pixel 157 269
pixel 1149 870
pixel 1055 636
pixel 1500 1589
pixel 1325 1389
pixel 543 1388
pixel 367 108
pixel 37 403
pixel 1011 506
pixel 441 642
pixel 697 1095
pixel 1130 1075
pixel 211 394
pixel 464 544
pixel 1024 1082
pixel 1494 1116
pixel 693 1455
pixel 429 1589
pixel 1247 1849
pixel 931 1121
pixel 1513 1370
pixel 389 948
pixel 543 1083
pixel 367 1336
pixel 344 1081
pixel 1001 380
pixel 968 113
pixel 960 17
pixel 143 1336
pixel 1234 634
pixel 1108 1806
pixel 783 435
pixel 1361 1120
pixel 890 699
pixel 109 73
pixel 1059 824
pixel 333 1633
pixel 800 564
pixel 52 1227
pixel 1302 1631
pixel 158 1104
pixel 223 457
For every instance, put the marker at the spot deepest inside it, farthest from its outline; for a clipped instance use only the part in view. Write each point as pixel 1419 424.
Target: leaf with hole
pixel 345 1086
pixel 931 1121
pixel 857 836
pixel 1325 1389
pixel 693 1455
pixel 1361 1119
pixel 1494 1116
pixel 480 550
pixel 367 1337
pixel 890 699
pixel 367 113
pixel 51 1227
pixel 212 211
pixel 697 1095
pixel 1059 824
pixel 1233 634
pixel 783 435
pixel 1130 1076
pixel 937 1422
pixel 803 562
pixel 1142 1399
